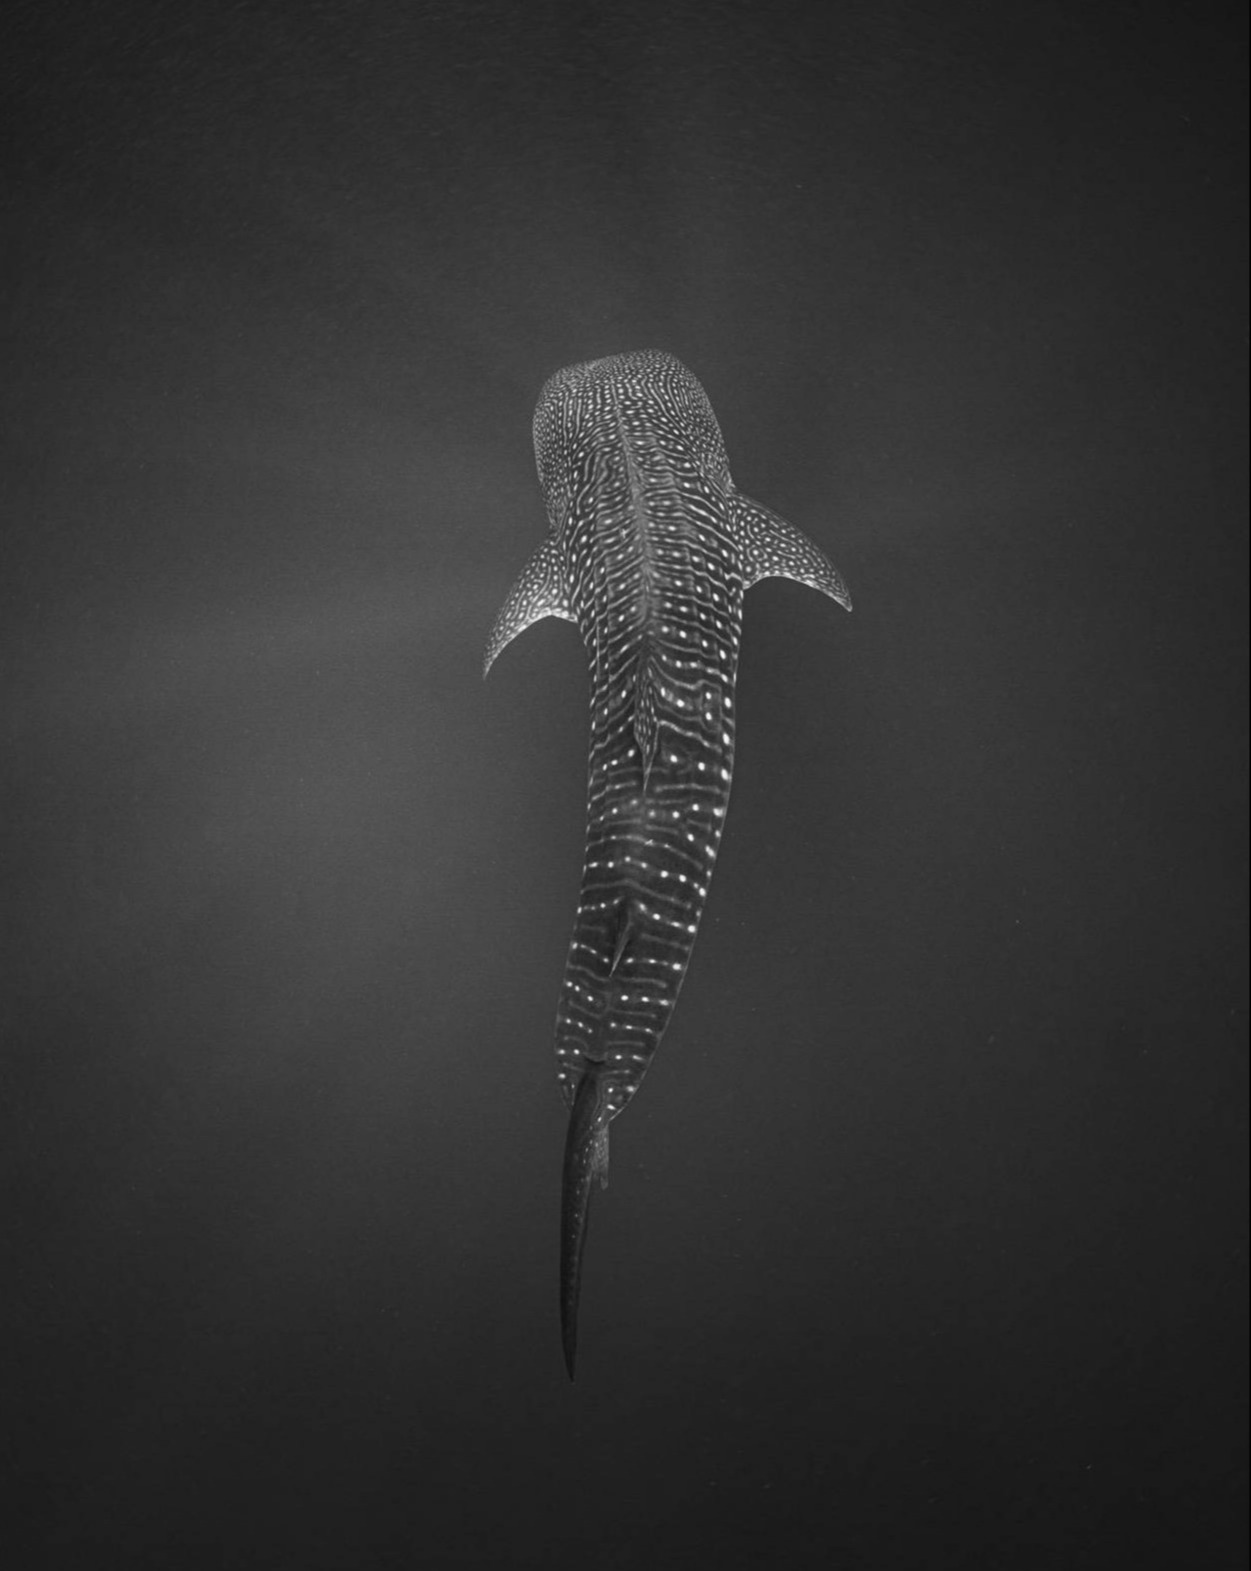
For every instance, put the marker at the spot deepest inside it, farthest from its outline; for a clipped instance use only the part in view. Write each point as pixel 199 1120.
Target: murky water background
pixel 924 1241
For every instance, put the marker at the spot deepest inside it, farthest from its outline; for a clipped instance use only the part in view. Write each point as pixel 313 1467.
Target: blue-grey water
pixel 925 1239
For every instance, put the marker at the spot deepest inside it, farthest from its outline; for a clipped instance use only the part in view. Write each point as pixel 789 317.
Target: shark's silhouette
pixel 650 551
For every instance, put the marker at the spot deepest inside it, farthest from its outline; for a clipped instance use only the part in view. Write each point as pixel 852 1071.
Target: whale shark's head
pixel 603 401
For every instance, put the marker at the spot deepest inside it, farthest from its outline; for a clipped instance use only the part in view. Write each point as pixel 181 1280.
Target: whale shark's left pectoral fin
pixel 539 592
pixel 772 548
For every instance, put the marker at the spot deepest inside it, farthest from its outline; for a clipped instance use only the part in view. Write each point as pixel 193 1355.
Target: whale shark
pixel 649 552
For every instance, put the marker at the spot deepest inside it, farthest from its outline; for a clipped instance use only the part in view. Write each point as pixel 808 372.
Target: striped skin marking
pixel 650 550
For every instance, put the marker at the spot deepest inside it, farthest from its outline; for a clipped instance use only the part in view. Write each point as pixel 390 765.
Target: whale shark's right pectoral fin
pixel 773 548
pixel 539 592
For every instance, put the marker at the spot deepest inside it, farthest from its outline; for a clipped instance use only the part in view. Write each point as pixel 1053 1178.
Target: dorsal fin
pixel 646 725
pixel 625 926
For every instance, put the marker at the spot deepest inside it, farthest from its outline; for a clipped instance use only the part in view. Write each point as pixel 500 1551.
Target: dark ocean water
pixel 925 1243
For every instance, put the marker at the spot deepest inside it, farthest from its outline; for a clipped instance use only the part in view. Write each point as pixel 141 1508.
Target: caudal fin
pixel 586 1159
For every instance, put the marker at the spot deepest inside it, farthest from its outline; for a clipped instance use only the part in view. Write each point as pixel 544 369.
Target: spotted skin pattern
pixel 650 551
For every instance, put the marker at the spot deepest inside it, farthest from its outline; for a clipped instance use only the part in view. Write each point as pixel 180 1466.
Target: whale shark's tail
pixel 586 1158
